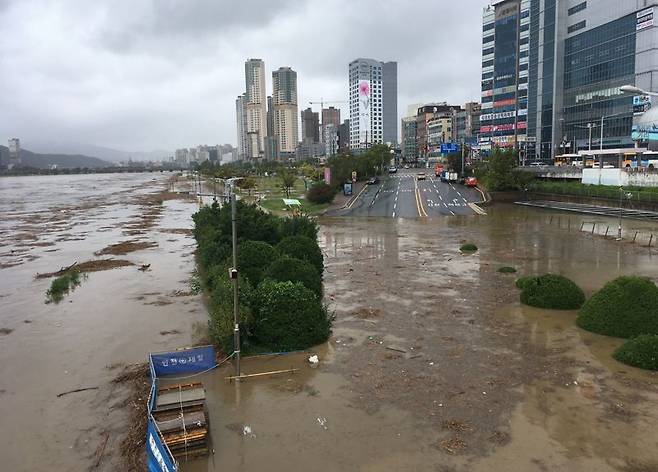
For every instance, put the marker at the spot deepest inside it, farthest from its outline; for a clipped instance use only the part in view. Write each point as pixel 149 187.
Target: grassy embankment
pixel 271 193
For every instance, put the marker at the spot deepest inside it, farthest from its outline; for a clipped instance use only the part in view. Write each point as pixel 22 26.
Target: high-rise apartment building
pixel 330 116
pixel 373 103
pixel 14 152
pixel 552 69
pixel 310 126
pixel 284 102
pixel 466 123
pixel 409 146
pixel 255 107
pixel 241 122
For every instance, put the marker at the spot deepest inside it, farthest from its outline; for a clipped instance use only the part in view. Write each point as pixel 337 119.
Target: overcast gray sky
pixel 162 74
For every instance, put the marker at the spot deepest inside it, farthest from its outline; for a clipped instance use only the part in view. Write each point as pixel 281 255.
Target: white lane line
pixel 465 201
pixel 440 197
pixel 445 204
pixel 393 214
pixel 452 213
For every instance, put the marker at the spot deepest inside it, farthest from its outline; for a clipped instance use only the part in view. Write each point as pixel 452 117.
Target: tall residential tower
pixel 373 103
pixel 284 101
pixel 255 107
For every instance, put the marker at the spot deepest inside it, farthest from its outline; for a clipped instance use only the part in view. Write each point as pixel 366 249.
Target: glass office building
pixel 571 57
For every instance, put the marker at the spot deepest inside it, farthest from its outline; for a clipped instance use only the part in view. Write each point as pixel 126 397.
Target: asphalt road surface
pixel 402 195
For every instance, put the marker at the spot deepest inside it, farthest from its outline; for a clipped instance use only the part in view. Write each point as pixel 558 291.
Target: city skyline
pixel 168 77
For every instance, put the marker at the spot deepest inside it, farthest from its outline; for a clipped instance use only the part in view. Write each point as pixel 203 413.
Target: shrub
pixel 299 226
pixel 303 247
pixel 321 193
pixel 221 308
pixel 507 270
pixel 521 282
pixel 551 291
pixel 62 285
pixel 253 258
pixel 640 351
pixel 469 247
pixel 287 317
pixel 295 270
pixel 624 307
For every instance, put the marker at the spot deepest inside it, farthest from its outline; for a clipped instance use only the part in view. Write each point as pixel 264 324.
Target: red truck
pixel 438 169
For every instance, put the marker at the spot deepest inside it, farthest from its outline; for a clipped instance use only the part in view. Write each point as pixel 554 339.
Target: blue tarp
pixel 185 361
pixel 157 454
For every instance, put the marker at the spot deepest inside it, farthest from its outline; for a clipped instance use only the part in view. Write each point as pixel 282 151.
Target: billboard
pixel 644 19
pixel 641 103
pixel 364 111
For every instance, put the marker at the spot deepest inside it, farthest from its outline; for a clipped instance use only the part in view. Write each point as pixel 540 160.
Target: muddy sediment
pixel 123 248
pixel 89 266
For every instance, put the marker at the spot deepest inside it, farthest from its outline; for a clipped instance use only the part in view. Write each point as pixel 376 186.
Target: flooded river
pixel 433 364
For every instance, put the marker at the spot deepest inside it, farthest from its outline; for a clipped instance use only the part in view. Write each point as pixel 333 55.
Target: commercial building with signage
pixel 551 71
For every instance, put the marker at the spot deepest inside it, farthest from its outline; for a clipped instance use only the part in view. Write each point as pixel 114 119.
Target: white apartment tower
pixel 373 103
pixel 255 107
pixel 241 121
pixel 284 103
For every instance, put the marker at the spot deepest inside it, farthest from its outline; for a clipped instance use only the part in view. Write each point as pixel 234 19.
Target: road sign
pixel 447 148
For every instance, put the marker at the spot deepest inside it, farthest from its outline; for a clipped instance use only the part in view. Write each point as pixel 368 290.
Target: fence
pixel 596 191
pixel 605 230
pixel 182 362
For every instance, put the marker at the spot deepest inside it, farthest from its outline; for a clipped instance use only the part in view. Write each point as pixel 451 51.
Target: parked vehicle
pixel 471 182
pixel 447 176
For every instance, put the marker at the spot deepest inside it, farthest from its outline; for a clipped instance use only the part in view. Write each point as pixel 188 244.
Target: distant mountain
pixel 63 161
pixel 107 154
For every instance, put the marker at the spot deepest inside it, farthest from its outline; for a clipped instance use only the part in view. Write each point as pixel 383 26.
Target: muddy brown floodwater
pixel 112 319
pixel 433 364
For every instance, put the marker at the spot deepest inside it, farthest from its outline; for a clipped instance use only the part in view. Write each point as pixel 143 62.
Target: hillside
pixel 63 161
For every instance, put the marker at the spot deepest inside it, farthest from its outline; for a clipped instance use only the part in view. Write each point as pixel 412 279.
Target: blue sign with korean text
pixel 447 148
pixel 184 361
pixel 157 455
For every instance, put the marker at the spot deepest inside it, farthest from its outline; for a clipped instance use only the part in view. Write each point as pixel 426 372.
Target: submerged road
pixel 402 195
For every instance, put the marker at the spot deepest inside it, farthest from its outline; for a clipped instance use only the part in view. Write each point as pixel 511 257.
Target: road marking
pixel 440 197
pixel 393 214
pixel 452 213
pixel 419 201
pixel 477 209
pixel 465 201
pixel 357 197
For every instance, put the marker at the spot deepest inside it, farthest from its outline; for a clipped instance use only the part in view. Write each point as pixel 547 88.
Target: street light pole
pixel 234 278
pixel 590 127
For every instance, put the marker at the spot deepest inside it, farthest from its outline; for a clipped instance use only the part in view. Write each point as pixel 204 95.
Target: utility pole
pixel 462 157
pixel 590 126
pixel 234 278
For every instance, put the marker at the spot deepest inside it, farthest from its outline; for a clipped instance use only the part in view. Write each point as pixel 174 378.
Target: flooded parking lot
pixel 433 364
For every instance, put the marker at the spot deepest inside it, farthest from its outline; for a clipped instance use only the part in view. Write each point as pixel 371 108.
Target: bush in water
pixel 551 291
pixel 303 247
pixel 295 270
pixel 624 307
pixel 640 351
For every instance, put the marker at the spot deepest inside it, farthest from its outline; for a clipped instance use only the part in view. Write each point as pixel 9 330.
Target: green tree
pixel 295 270
pixel 303 247
pixel 253 258
pixel 287 178
pixel 247 183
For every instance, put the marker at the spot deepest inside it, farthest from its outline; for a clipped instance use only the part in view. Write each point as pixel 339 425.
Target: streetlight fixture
pixel 633 90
